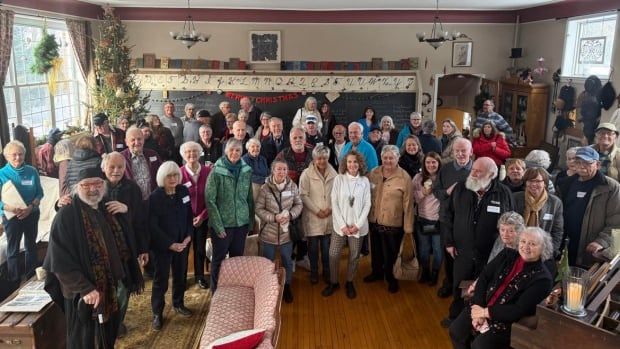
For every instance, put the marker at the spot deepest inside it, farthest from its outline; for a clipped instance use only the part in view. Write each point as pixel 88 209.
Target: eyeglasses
pixel 94 185
pixel 583 163
pixel 535 181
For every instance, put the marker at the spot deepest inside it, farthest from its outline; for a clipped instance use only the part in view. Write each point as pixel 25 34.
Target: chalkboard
pixel 348 107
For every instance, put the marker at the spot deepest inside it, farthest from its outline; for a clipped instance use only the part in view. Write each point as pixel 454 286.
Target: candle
pixel 574 296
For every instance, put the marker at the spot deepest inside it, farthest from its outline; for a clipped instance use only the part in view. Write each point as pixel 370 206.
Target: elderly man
pixel 107 137
pixel 449 174
pixel 340 139
pixel 591 209
pixel 298 156
pixel 140 164
pixel 276 142
pixel 89 254
pixel 487 114
pixel 313 136
pixel 191 130
pixel 126 199
pixel 174 124
pixel 190 113
pixel 469 224
pixel 356 142
pixel 218 121
pixel 608 151
pixel 239 133
pixel 253 112
pixel 414 128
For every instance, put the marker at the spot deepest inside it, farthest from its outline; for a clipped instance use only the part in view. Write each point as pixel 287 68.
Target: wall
pixel 546 39
pixel 334 42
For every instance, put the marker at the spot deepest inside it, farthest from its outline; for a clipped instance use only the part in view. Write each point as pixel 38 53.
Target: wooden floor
pixel 375 319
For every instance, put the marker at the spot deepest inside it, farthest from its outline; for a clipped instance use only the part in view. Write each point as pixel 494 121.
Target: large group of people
pixel 135 197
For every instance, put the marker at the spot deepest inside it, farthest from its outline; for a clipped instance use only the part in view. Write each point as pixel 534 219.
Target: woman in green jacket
pixel 230 206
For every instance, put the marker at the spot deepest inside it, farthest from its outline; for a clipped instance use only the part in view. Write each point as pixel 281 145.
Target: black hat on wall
pixel 516 52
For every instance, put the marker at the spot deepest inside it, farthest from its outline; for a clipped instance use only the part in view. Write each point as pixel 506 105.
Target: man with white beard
pixel 469 224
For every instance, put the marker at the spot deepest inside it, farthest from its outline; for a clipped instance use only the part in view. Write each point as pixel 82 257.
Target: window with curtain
pixel 589 46
pixel 27 97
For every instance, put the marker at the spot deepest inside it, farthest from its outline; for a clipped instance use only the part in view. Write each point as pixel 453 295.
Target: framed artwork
pixel 265 47
pixel 462 53
pixel 149 60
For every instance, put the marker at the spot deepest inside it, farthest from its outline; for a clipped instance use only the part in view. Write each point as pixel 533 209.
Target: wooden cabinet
pixel 525 107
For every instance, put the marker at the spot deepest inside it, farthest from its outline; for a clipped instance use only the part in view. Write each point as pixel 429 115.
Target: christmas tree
pixel 116 92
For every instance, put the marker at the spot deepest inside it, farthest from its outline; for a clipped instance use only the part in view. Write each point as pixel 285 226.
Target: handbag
pixel 427 227
pixel 406 266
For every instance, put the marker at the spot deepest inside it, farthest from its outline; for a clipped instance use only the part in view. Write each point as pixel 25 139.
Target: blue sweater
pixel 26 181
pixel 260 170
pixel 365 127
pixel 367 151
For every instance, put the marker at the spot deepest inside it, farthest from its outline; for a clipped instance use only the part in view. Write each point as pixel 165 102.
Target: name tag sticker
pixel 188 184
pixel 174 125
pixel 493 209
pixel 581 194
pixel 319 143
pixel 153 158
pixel 286 193
pixel 547 217
pixel 186 199
pixel 495 202
pixel 26 181
pixel 119 146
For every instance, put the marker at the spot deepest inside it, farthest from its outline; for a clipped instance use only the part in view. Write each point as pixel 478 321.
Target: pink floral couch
pixel 248 296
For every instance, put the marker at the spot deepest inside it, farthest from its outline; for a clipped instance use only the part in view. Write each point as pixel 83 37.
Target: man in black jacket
pixel 253 112
pixel 277 141
pixel 469 224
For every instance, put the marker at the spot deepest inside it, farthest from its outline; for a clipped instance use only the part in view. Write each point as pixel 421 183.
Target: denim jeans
pixel 286 253
pixel 314 244
pixel 426 243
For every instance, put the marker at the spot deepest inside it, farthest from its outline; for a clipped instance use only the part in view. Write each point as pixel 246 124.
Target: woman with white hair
pixel 571 166
pixel 194 177
pixel 19 220
pixel 244 116
pixel 170 224
pixel 389 133
pixel 310 107
pixel 258 163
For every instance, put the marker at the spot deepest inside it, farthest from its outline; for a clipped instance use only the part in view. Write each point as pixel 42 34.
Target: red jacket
pixel 117 140
pixel 197 190
pixel 45 161
pixel 482 147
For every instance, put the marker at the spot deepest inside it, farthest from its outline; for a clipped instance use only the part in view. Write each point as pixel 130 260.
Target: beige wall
pixel 334 42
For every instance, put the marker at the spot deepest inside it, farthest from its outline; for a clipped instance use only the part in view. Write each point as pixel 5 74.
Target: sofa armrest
pixel 243 270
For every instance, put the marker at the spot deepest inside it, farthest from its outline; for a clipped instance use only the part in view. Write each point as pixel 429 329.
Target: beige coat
pixel 392 199
pixel 613 170
pixel 267 208
pixel 315 191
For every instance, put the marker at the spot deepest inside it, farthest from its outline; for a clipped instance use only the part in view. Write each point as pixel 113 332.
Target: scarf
pixel 100 259
pixel 532 208
pixel 235 168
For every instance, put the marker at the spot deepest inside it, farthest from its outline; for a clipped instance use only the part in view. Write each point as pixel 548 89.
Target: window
pixel 589 46
pixel 27 97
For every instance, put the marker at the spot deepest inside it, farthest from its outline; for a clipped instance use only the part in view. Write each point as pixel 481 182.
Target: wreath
pixel 44 54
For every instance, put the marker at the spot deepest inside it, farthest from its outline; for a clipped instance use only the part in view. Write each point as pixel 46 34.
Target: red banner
pixel 264 99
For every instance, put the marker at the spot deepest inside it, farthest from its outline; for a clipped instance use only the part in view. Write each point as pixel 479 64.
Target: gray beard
pixel 476 185
pixel 91 201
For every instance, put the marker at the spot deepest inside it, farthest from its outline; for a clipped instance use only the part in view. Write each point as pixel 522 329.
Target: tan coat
pixel 315 191
pixel 613 170
pixel 392 199
pixel 267 208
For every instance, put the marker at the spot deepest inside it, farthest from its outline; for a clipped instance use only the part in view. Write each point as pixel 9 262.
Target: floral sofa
pixel 248 296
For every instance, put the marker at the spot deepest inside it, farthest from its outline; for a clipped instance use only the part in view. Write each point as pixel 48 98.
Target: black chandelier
pixel 189 37
pixel 438 35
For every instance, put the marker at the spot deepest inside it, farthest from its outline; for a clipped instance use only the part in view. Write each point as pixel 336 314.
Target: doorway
pixel 454 99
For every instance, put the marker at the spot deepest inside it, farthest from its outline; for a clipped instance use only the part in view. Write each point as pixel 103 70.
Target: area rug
pixel 177 332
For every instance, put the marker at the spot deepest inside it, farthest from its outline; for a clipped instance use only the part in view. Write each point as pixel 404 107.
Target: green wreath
pixel 44 54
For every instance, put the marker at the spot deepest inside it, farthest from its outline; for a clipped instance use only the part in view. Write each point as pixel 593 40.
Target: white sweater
pixel 343 214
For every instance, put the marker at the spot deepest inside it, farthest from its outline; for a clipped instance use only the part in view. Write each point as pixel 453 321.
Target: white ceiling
pixel 325 5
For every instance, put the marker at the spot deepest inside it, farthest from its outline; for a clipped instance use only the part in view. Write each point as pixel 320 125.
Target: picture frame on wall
pixel 462 53
pixel 265 47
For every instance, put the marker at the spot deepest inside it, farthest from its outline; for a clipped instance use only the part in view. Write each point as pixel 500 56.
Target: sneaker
pixel 287 294
pixel 329 290
pixel 446 322
pixel 372 278
pixel 350 290
pixel 183 311
pixel 158 321
pixel 304 263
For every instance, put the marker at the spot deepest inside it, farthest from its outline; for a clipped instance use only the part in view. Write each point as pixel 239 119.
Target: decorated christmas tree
pixel 116 92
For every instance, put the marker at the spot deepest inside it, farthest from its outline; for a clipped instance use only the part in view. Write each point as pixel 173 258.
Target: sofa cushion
pixel 247 339
pixel 243 270
pixel 231 310
pixel 266 292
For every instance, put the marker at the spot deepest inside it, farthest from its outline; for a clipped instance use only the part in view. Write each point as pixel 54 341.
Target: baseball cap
pixel 311 119
pixel 607 126
pixel 587 154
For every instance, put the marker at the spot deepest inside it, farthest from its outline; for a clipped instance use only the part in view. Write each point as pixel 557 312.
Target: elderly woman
pixel 515 169
pixel 62 155
pixel 310 107
pixel 449 132
pixel 245 116
pixel 230 119
pixel 315 186
pixel 20 215
pixel 258 163
pixel 539 207
pixel 489 142
pixel 368 120
pixel 391 215
pixel 194 177
pixel 351 203
pixel 411 156
pixel 413 128
pixel 389 133
pixel 427 223
pixel 277 205
pixel 230 205
pixel 263 131
pixel 211 150
pixel 85 156
pixel 170 225
pixel 510 225
pixel 508 289
pixel 571 167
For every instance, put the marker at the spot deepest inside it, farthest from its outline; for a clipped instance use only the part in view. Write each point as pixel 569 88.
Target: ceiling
pixel 327 5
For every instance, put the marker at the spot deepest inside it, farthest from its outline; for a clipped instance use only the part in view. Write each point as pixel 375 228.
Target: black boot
pixel 433 278
pixel 288 293
pixel 329 290
pixel 350 290
pixel 426 275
